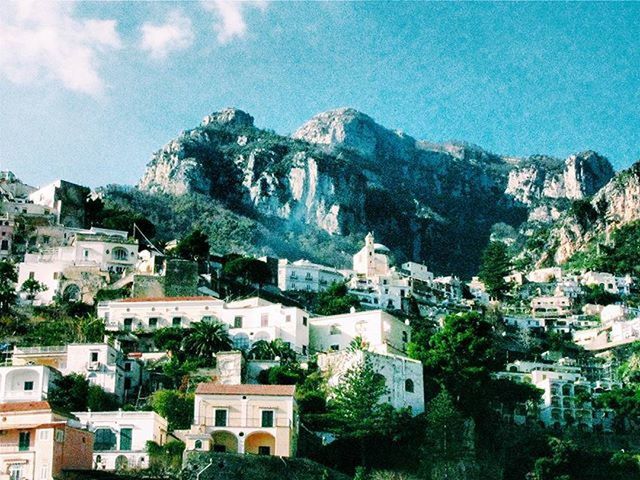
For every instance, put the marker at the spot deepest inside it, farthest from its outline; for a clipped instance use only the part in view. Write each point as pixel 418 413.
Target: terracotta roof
pixel 274 390
pixel 27 426
pixel 166 299
pixel 24 406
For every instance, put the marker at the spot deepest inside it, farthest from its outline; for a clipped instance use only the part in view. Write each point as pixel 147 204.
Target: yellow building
pixel 258 419
pixel 38 443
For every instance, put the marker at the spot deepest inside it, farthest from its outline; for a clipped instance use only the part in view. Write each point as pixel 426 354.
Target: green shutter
pixel 125 438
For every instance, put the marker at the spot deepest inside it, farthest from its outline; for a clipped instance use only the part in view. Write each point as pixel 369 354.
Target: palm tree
pixel 205 339
pixel 262 350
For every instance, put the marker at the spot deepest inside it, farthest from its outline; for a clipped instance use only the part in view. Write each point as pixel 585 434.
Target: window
pixel 176 321
pixel 56 275
pixel 153 323
pixel 127 366
pixel 264 450
pixel 405 336
pixel 15 472
pixel 44 470
pixel 127 324
pixel 5 245
pixel 125 438
pixel 85 253
pixel 198 445
pixel 408 385
pixel 335 347
pixel 287 318
pixel 304 321
pixel 267 418
pixel 105 440
pixel 220 418
pixel 32 275
pixel 94 356
pixel 44 434
pixel 237 322
pixel 59 435
pixel 120 254
pixel 28 386
pixel 264 320
pixel 304 349
pixel 334 329
pixel 23 441
pixel 127 383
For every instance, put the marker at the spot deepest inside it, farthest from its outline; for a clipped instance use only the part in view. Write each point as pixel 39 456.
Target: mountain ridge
pixel 344 174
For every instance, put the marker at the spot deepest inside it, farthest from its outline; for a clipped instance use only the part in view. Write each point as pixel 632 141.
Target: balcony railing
pixel 237 421
pixel 50 349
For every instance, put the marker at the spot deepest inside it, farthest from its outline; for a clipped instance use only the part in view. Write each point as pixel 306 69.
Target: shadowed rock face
pixel 344 174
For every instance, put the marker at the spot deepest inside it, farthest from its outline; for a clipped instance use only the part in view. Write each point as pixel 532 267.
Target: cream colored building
pixel 26 383
pixel 257 419
pixel 372 259
pixel 38 443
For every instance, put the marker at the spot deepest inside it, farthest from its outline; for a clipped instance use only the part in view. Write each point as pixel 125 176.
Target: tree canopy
pixel 494 266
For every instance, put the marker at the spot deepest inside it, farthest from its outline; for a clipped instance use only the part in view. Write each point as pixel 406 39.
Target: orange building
pixel 37 443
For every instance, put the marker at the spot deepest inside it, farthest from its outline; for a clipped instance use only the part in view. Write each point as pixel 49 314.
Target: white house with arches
pixel 120 438
pixel 75 271
pixel 29 383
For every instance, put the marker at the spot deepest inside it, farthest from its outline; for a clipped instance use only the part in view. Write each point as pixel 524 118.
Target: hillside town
pixel 124 356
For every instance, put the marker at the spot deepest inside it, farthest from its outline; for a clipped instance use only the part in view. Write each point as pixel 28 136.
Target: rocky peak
pixel 347 127
pixel 229 116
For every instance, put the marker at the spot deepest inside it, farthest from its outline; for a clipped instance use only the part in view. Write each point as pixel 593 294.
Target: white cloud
pixel 43 39
pixel 231 17
pixel 174 35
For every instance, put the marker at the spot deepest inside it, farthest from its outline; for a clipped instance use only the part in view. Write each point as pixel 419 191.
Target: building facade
pixel 121 437
pixel 38 443
pixel 403 377
pixel 307 276
pixel 381 331
pixel 256 419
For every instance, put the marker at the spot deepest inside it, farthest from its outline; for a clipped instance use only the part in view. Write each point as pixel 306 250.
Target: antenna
pixel 135 227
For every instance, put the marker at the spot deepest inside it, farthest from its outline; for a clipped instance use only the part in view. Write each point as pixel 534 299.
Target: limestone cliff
pixel 616 204
pixel 344 174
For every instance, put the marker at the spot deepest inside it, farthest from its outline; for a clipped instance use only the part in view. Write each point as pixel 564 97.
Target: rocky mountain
pixel 343 174
pixel 615 205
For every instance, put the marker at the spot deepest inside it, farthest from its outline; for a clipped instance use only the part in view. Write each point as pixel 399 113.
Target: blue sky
pixel 90 90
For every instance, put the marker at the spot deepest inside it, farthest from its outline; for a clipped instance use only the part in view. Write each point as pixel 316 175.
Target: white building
pixel 307 276
pixel 248 320
pixel 26 383
pixel 100 363
pixel 565 394
pixel 120 438
pixel 372 259
pixel 608 281
pixel 417 271
pixel 403 377
pixel 77 270
pixel 383 332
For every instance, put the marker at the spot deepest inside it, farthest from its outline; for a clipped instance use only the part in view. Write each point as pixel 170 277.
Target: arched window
pixel 198 445
pixel 379 379
pixel 71 293
pixel 120 253
pixel 408 385
pixel 241 341
pixel 105 440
